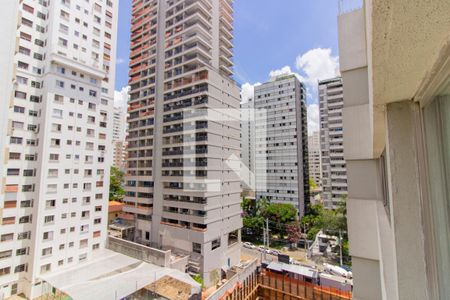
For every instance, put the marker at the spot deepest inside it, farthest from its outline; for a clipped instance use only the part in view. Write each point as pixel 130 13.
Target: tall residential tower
pixel 183 185
pixel 315 165
pixel 281 142
pixel 248 146
pixel 334 172
pixel 58 111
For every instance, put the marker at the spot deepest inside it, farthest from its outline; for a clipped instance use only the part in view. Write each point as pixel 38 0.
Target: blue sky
pixel 290 35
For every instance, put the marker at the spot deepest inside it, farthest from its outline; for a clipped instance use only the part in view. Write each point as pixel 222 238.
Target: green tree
pixel 280 214
pixel 312 184
pixel 248 206
pixel 199 280
pixel 253 225
pixel 294 234
pixel 116 181
pixel 328 220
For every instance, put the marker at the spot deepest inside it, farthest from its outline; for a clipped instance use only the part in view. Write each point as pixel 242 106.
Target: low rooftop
pixel 111 275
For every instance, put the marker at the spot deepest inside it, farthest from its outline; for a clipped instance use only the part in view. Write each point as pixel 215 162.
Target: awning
pixel 111 275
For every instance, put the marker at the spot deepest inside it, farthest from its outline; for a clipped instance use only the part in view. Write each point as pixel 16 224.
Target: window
pixel 27 22
pixel 35 84
pixel 17 125
pixel 16 140
pixel 25 219
pixel 215 244
pixel 20 268
pixel 39 43
pixel 38 56
pixel 22 65
pixel 19 109
pixel 45 268
pixel 24 51
pixel 54 157
pixel 47 251
pixel 14 155
pixel 48 235
pixel 21 251
pixel 13 172
pixel 26 203
pixel 57 113
pixel 5 254
pixel 8 220
pixel 5 271
pixel 24 235
pixel 49 219
pixel 60 83
pixel 40 29
pixel 7 237
pixel 62 42
pixel 83 243
pixel 64 15
pixel 50 203
pixel 25 36
pixel 28 8
pixel 64 29
pixel 197 248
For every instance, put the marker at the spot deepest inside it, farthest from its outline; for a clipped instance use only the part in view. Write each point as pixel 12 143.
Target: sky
pixel 271 37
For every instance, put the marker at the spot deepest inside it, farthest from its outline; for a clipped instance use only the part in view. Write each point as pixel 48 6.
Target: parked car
pixel 249 245
pixel 274 252
pixel 262 249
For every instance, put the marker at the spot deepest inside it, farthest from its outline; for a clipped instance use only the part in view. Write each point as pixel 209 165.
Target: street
pixel 298 255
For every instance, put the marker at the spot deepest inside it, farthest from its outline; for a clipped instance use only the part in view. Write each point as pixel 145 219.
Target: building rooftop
pixel 301 270
pixel 111 275
pixel 335 79
pixel 115 206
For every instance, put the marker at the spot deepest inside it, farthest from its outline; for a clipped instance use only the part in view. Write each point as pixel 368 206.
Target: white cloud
pixel 248 91
pixel 313 118
pixel 121 97
pixel 120 61
pixel 317 64
pixel 286 70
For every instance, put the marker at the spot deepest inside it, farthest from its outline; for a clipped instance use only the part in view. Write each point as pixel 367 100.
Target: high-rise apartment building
pixel 119 137
pixel 248 145
pixel 315 169
pixel 396 72
pixel 57 89
pixel 179 183
pixel 281 142
pixel 334 174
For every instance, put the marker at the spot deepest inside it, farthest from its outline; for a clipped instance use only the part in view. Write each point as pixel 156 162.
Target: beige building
pixel 334 172
pixel 394 60
pixel 182 181
pixel 315 169
pixel 119 137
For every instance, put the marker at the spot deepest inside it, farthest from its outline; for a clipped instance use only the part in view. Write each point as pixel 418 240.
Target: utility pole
pixel 264 243
pixel 267 231
pixel 340 246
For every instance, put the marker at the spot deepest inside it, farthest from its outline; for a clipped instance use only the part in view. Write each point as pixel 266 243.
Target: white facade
pixel 56 168
pixel 281 142
pixel 248 145
pixel 315 165
pixel 119 137
pixel 334 172
pixel 395 65
pixel 183 186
